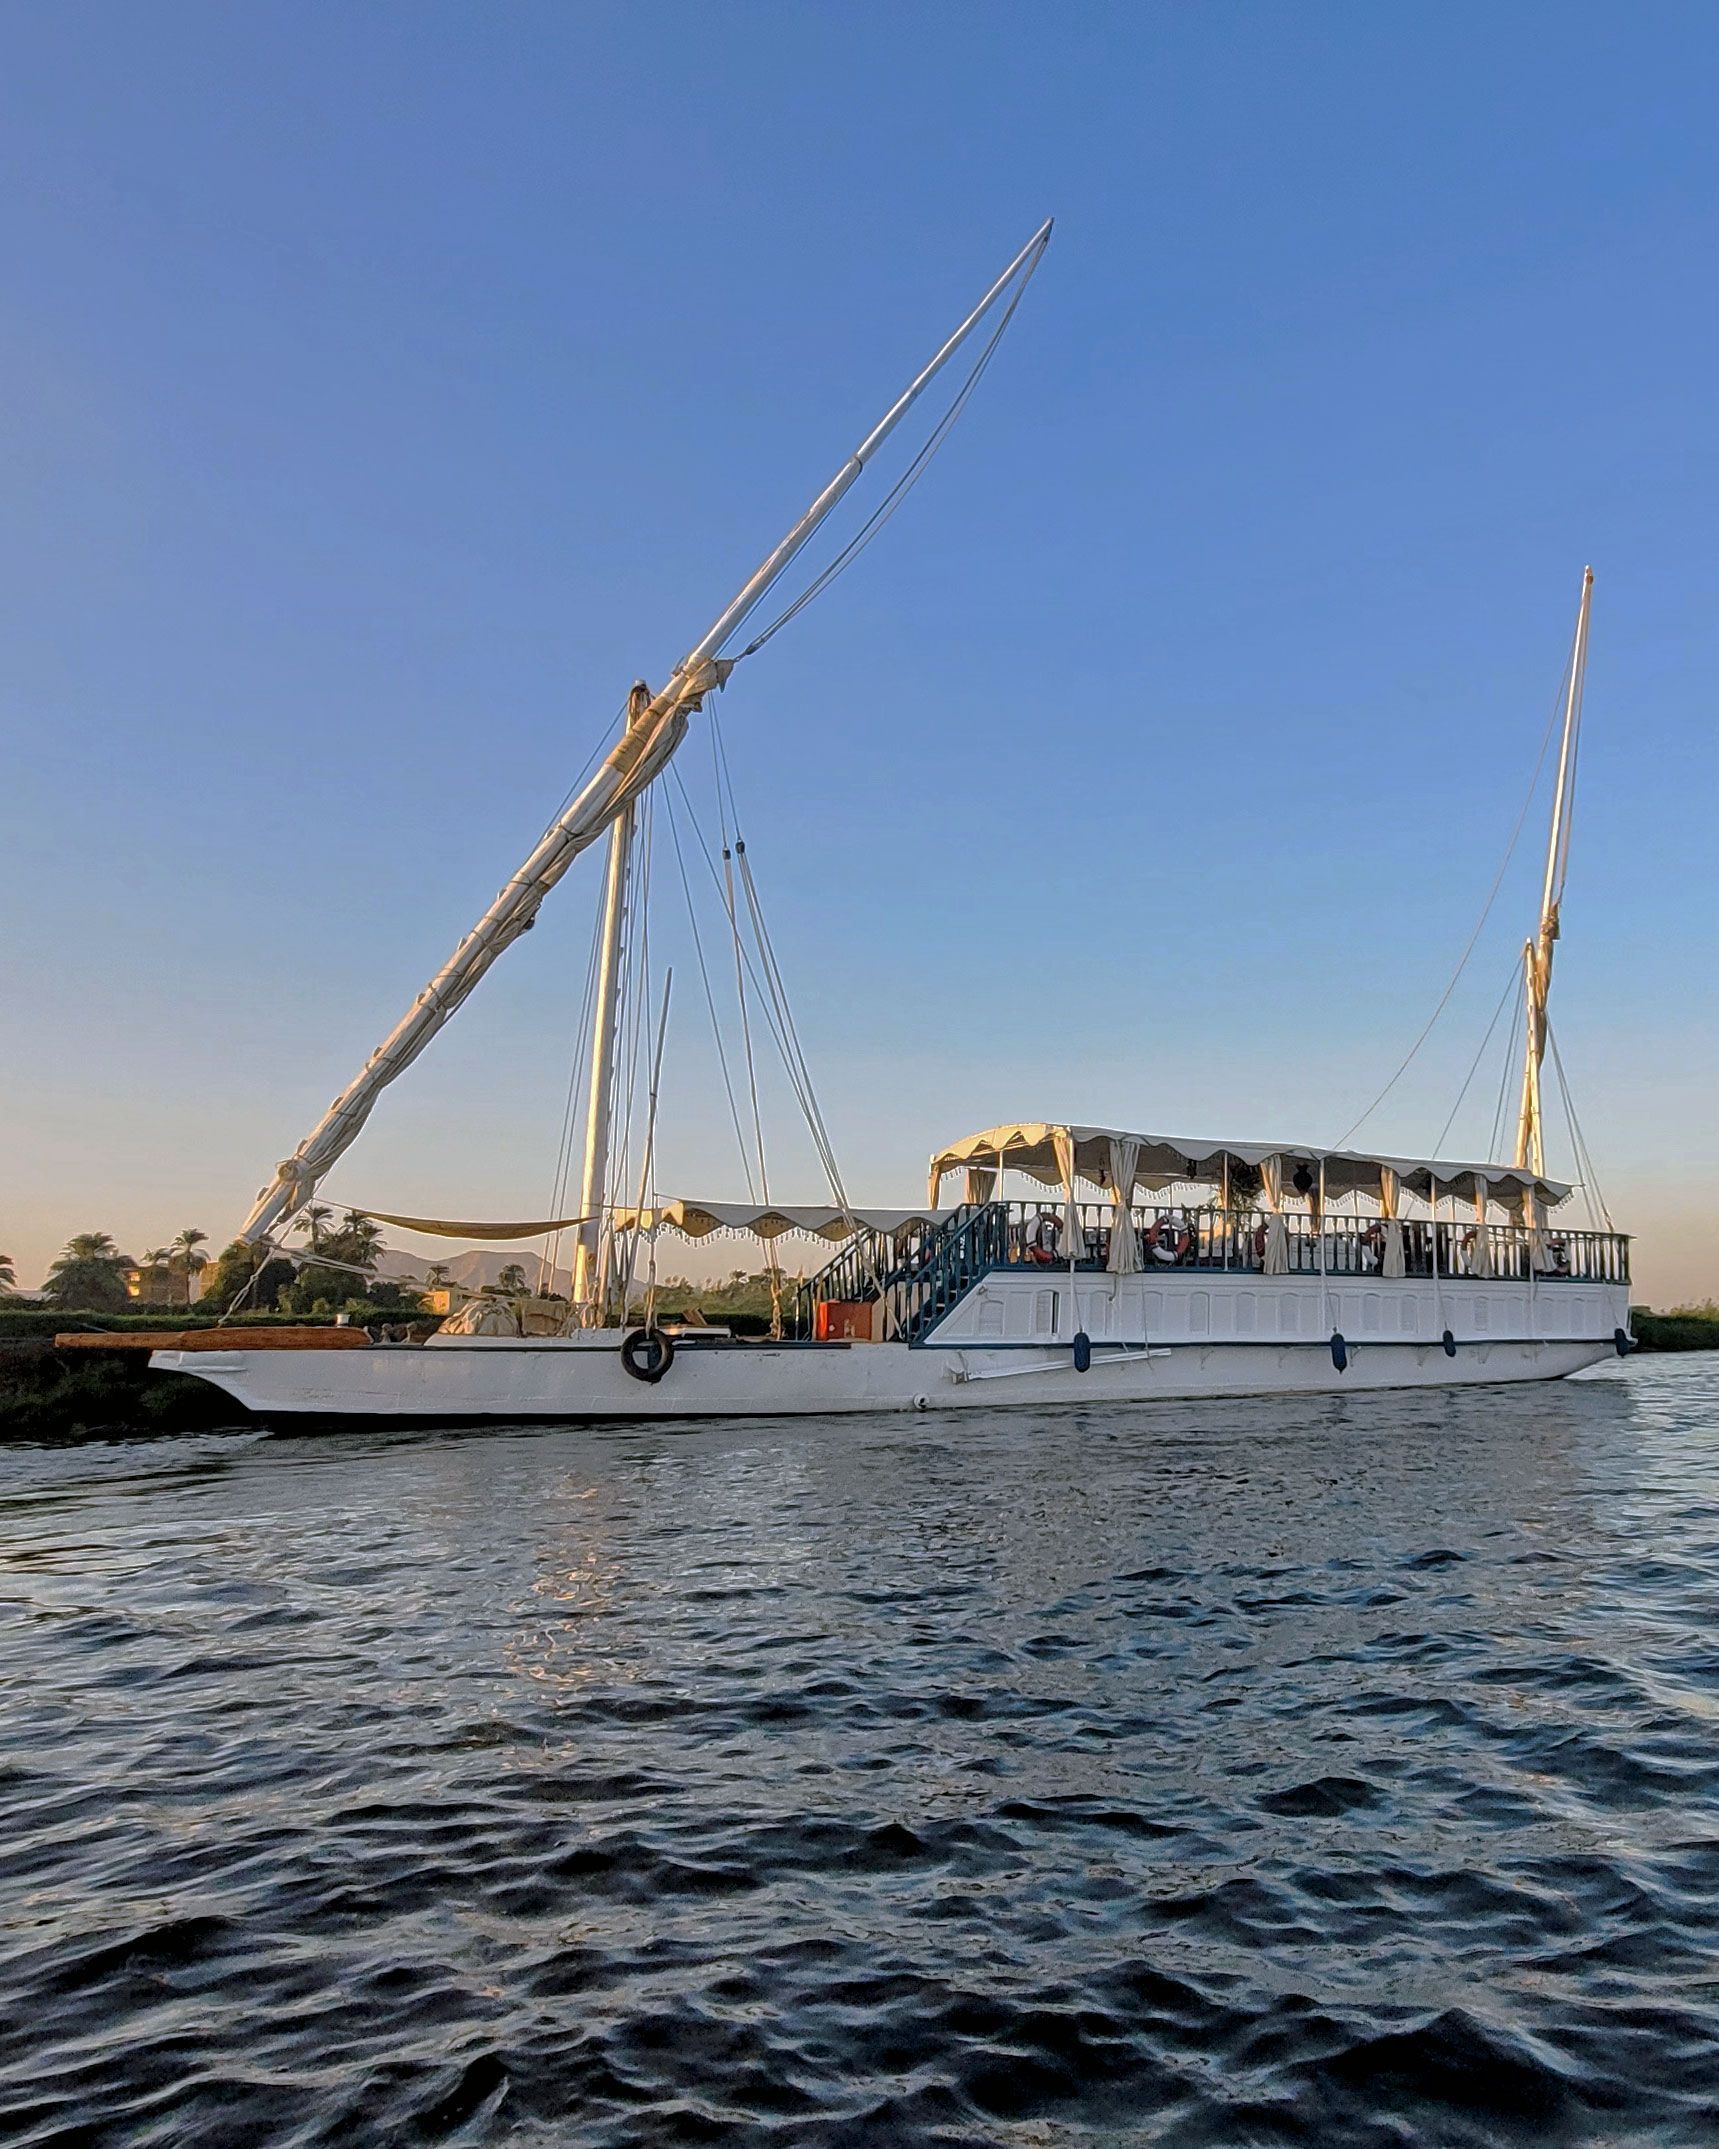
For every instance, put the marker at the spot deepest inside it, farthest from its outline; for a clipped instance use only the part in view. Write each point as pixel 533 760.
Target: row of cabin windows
pixel 1021 1316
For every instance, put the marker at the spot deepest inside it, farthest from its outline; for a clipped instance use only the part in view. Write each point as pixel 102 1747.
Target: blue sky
pixel 382 388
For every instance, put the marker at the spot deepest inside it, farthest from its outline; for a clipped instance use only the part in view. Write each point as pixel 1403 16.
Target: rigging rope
pixel 903 484
pixel 794 1063
pixel 710 1000
pixel 1513 980
pixel 1486 911
pixel 1584 1159
pixel 1518 1036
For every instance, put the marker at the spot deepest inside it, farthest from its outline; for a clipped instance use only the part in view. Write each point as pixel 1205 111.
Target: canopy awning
pixel 698 1219
pixel 1166 1160
pixel 695 1219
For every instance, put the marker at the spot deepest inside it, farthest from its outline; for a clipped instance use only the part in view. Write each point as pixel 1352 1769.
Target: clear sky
pixel 383 387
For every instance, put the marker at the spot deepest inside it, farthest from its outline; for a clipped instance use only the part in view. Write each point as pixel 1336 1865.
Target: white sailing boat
pixel 1079 1262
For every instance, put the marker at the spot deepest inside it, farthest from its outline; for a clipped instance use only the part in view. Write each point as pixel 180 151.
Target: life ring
pixel 1042 1235
pixel 1557 1257
pixel 647 1354
pixel 1168 1240
pixel 1373 1242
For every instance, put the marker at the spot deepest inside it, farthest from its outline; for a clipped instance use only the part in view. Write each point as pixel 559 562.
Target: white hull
pixel 472 1378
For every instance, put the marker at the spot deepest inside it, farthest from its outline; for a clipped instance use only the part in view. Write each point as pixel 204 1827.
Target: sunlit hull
pixel 474 1378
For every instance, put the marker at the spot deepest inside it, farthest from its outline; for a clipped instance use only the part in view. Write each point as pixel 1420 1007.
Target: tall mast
pixel 634 762
pixel 605 1031
pixel 1537 953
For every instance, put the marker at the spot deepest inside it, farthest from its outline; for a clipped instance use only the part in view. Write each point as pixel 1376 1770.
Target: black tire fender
pixel 647 1354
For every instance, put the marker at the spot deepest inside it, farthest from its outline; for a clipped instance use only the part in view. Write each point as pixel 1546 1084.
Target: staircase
pixel 922 1279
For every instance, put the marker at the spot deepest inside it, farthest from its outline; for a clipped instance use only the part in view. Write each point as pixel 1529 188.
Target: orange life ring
pixel 1168 1240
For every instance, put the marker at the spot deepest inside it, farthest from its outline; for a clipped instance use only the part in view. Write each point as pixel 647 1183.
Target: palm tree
pixel 360 1239
pixel 8 1276
pixel 89 1275
pixel 187 1258
pixel 311 1219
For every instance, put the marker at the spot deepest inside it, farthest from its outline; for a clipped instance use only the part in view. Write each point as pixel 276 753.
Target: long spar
pixel 1537 953
pixel 637 758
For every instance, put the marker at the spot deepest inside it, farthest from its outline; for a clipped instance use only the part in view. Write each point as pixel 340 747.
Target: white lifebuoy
pixel 1168 1240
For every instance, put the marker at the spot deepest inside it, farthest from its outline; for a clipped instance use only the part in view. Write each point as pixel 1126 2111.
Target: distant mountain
pixel 471 1269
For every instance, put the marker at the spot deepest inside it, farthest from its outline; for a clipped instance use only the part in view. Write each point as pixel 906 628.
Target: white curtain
pixel 1536 1236
pixel 1391 1261
pixel 1276 1230
pixel 1073 1247
pixel 1480 1260
pixel 1124 1161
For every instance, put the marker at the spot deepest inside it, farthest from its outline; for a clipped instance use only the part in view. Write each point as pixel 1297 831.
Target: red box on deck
pixel 842 1320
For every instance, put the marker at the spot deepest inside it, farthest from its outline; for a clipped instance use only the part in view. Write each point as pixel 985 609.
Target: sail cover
pixel 1164 1160
pixel 698 1219
pixel 445 1227
pixel 693 1219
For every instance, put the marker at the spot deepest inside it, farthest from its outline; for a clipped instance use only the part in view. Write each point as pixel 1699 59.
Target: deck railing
pixel 927 1268
pixel 1236 1239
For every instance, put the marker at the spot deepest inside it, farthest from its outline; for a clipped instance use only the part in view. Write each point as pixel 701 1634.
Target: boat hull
pixel 564 1380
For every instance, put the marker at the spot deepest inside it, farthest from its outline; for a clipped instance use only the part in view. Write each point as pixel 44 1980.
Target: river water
pixel 1332 1772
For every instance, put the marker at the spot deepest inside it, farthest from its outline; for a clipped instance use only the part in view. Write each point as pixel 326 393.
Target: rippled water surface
pixel 1319 1772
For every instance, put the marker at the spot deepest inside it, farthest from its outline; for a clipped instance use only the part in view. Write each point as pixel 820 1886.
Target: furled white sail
pixel 635 760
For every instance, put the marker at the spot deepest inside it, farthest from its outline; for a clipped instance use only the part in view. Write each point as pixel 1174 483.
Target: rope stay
pixel 710 999
pixel 904 484
pixel 1513 981
pixel 1598 1212
pixel 1518 1022
pixel 1348 1135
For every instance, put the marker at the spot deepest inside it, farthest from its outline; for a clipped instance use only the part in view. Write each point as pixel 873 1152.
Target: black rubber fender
pixel 647 1354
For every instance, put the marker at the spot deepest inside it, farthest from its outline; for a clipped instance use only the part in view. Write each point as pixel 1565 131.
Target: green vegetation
pixel 8 1276
pixel 1683 1328
pixel 742 1303
pixel 251 1270
pixel 89 1274
pixel 45 1396
pixel 338 1271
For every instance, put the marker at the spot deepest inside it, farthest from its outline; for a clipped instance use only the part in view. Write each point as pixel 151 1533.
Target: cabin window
pixel 1045 1309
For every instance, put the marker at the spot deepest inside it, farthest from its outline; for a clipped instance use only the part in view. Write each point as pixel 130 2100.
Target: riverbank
pixel 49 1394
